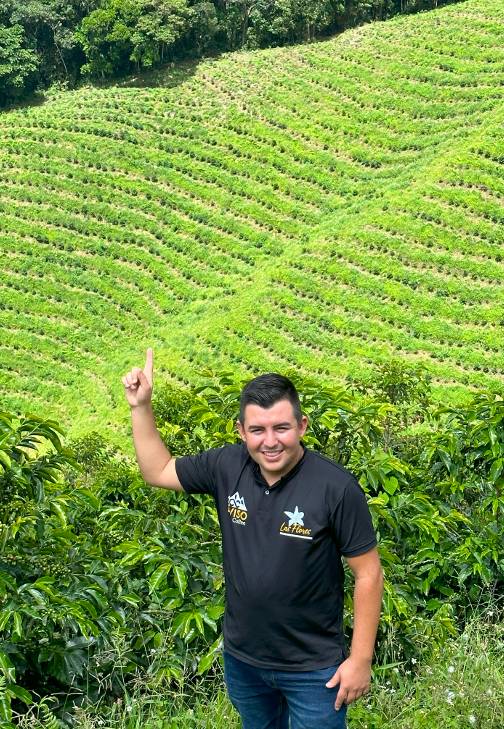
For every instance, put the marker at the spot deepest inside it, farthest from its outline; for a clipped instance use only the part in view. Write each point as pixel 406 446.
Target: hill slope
pixel 321 207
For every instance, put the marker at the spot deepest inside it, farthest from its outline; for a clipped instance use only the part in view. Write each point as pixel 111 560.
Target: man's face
pixel 272 436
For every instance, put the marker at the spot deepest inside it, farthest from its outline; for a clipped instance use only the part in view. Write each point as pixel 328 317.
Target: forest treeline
pixel 65 41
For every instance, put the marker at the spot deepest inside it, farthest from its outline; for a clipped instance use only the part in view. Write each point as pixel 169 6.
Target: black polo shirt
pixel 282 548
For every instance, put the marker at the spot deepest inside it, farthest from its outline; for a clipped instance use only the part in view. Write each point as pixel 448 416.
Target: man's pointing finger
pixel 149 364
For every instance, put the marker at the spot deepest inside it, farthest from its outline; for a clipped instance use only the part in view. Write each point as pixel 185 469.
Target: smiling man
pixel 288 515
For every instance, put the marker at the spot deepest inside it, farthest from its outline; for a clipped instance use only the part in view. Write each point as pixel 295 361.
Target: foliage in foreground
pixel 104 578
pixel 460 686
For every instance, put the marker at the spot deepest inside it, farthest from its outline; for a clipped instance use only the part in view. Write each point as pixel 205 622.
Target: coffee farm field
pixel 322 208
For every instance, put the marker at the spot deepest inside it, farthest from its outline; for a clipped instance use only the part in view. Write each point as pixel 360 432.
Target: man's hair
pixel 268 389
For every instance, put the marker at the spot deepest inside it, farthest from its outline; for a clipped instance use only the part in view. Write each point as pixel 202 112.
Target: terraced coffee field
pixel 322 207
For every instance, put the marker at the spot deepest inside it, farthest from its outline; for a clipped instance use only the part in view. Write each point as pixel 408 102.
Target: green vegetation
pixel 105 580
pixel 17 63
pixel 323 207
pixel 42 42
pixel 460 687
pixel 332 211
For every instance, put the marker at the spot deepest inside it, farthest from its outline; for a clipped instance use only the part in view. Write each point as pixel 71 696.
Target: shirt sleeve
pixel 351 522
pixel 197 474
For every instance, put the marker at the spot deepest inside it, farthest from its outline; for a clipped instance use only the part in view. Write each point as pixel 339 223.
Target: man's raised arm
pixel 155 461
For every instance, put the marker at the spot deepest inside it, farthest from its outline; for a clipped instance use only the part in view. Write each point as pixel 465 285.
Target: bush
pixel 97 570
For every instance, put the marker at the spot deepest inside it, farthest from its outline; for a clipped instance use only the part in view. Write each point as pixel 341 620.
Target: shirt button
pixel 266 492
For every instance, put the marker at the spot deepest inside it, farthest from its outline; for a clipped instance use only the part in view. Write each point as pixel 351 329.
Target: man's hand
pixel 354 678
pixel 138 383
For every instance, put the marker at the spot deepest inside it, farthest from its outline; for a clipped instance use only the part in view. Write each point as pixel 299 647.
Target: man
pixel 287 515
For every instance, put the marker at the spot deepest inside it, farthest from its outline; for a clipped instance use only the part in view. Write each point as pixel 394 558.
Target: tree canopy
pixel 43 41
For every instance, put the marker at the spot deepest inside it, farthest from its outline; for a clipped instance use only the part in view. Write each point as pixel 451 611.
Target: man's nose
pixel 270 439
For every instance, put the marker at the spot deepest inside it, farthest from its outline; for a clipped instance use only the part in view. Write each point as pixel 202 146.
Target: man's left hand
pixel 354 678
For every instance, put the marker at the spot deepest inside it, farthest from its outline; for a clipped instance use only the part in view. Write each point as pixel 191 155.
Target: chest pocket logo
pixel 295 526
pixel 237 509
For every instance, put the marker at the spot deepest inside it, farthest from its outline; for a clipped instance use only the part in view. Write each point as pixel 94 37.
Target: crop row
pixel 352 283
pixel 119 234
pixel 156 200
pixel 172 282
pixel 185 198
pixel 256 347
pixel 324 297
pixel 43 331
pixel 224 165
pixel 138 249
pixel 329 331
pixel 318 208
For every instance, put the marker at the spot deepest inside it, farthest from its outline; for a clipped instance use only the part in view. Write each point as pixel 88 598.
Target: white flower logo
pixel 295 517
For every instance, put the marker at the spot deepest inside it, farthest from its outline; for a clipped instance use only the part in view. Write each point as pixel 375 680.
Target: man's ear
pixel 303 425
pixel 239 428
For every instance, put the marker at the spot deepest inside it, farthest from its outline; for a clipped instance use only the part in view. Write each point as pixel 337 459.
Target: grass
pixel 461 687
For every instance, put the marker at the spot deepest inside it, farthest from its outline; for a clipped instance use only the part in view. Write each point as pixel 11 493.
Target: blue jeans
pixel 266 698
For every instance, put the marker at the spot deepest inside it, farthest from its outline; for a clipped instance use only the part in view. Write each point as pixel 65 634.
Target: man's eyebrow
pixel 277 425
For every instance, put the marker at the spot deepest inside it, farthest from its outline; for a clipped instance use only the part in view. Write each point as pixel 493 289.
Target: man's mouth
pixel 272 455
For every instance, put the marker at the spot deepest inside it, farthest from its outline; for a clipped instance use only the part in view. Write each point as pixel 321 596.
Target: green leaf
pixel 21 693
pixel 59 506
pixel 198 619
pixel 211 656
pixel 7 667
pixel 18 625
pixel 215 611
pixel 391 484
pixel 5 616
pixel 5 461
pixel 208 620
pixel 5 711
pixel 181 623
pixel 496 469
pixel 159 575
pixel 205 662
pixel 180 579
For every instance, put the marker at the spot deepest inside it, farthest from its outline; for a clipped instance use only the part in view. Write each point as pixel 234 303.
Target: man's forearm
pixel 151 453
pixel 367 598
pixel 353 675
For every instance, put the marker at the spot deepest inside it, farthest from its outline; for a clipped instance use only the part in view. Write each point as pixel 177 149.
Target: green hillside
pixel 323 207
